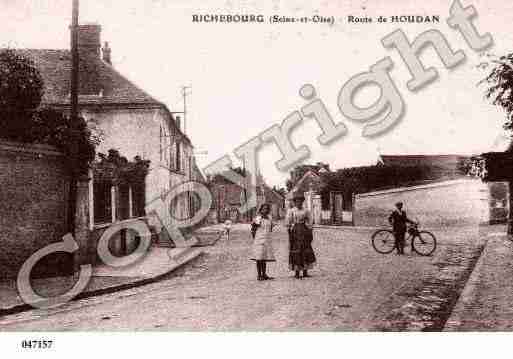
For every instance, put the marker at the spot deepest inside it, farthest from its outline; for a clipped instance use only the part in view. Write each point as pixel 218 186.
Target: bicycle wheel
pixel 425 243
pixel 383 241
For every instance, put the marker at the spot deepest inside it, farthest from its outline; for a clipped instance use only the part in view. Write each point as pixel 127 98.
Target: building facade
pixel 228 197
pixel 129 121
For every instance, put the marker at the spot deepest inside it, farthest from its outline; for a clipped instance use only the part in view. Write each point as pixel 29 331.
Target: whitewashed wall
pixel 448 203
pixel 146 133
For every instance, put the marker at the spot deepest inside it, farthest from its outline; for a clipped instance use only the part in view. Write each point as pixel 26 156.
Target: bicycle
pixel 422 242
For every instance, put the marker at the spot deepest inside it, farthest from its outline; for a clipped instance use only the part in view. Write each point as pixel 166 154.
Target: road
pixel 350 289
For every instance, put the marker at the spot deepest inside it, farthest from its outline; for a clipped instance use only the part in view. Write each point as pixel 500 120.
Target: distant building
pixel 324 196
pixel 228 197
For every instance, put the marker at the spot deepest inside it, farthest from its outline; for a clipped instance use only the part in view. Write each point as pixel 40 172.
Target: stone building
pixel 324 195
pixel 130 121
pixel 228 197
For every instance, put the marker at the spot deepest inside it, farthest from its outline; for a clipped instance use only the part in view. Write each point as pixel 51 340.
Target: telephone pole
pixel 184 95
pixel 73 109
pixel 74 61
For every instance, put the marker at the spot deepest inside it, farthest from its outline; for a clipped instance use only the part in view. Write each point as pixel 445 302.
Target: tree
pixel 21 90
pixel 22 118
pixel 500 92
pixel 70 135
pixel 500 86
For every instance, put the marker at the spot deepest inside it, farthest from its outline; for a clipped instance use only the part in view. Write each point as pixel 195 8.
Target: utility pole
pixel 184 95
pixel 73 107
pixel 74 60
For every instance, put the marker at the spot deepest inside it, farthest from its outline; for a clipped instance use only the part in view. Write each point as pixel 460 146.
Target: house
pixel 129 120
pixel 228 197
pixel 324 195
pixel 298 172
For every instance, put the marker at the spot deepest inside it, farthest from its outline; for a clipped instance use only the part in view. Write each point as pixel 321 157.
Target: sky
pixel 245 78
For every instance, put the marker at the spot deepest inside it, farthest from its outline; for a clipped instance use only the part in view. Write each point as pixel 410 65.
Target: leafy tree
pixel 23 120
pixel 70 135
pixel 500 85
pixel 500 91
pixel 21 90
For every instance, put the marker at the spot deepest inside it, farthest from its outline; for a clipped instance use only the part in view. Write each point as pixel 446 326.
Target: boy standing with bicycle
pixel 398 220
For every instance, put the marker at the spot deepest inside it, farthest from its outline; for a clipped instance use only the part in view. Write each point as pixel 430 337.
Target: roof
pixel 412 160
pixel 233 193
pixel 308 173
pixel 99 82
pixel 269 192
pixel 299 171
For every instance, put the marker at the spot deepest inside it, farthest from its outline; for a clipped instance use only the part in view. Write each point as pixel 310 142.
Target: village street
pixel 351 288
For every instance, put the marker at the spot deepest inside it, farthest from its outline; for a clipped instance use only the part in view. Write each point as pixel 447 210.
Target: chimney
pixel 178 122
pixel 106 51
pixel 89 39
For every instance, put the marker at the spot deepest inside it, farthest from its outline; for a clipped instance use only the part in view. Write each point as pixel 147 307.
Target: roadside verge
pixel 156 266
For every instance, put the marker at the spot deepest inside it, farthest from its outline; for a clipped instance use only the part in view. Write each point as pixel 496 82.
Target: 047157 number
pixel 36 344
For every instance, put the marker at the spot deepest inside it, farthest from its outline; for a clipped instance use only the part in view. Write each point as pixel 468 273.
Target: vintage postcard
pixel 255 166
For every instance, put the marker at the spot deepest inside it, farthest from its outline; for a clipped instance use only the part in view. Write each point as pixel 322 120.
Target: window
pixel 129 202
pixel 123 202
pixel 178 157
pixel 138 200
pixel 102 202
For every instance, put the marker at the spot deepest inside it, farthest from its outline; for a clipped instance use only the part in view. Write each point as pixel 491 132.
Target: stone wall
pixel 458 202
pixel 34 190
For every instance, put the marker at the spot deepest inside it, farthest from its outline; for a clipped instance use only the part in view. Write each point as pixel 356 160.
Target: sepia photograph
pixel 314 169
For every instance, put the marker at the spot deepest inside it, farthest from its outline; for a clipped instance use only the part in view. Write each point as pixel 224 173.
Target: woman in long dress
pixel 263 252
pixel 299 223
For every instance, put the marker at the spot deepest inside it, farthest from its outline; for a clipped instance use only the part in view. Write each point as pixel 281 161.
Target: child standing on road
pixel 263 252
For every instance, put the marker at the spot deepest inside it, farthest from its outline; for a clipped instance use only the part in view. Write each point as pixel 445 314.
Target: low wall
pixel 34 190
pixel 458 202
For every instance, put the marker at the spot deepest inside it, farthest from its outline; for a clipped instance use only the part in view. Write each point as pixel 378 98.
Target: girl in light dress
pixel 263 252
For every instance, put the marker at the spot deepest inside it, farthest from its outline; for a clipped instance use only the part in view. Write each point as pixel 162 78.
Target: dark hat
pixel 264 205
pixel 398 204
